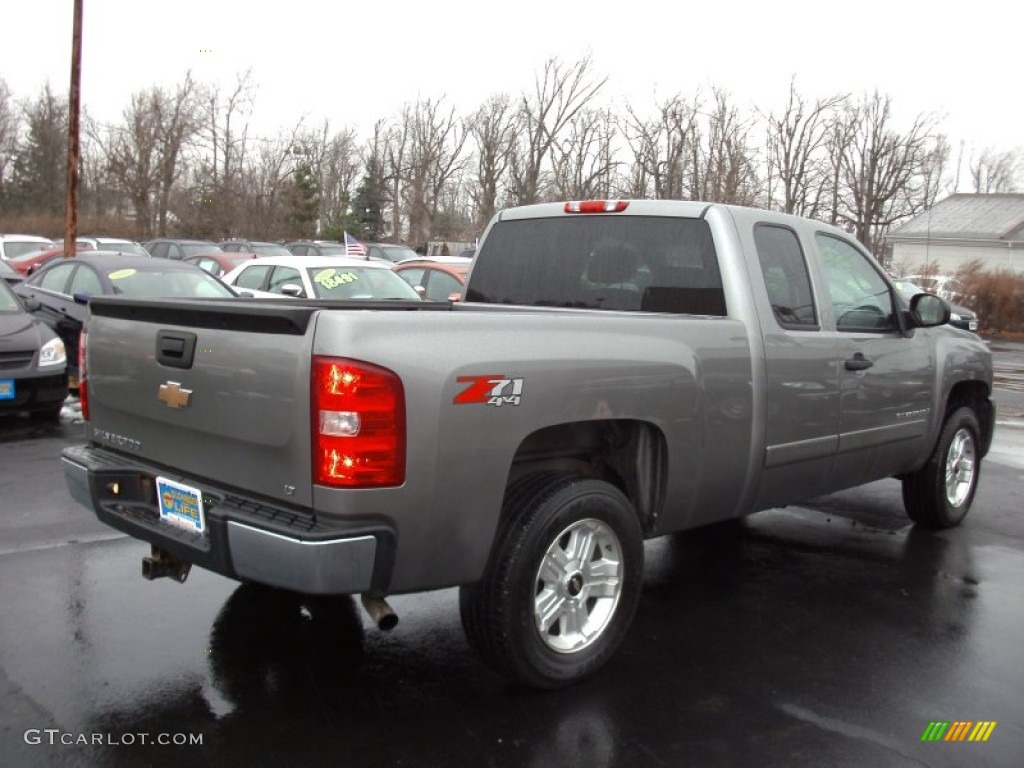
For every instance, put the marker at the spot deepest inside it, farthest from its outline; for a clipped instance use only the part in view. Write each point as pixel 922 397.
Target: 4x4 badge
pixel 175 397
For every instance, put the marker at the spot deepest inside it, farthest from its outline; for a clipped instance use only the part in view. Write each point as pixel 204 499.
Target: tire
pixel 562 583
pixel 939 494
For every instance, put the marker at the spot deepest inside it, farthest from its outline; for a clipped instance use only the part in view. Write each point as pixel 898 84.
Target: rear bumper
pixel 246 539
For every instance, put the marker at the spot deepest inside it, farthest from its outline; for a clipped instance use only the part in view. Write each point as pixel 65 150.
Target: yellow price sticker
pixel 121 274
pixel 330 279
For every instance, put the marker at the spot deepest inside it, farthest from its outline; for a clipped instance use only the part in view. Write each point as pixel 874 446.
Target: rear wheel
pixel 939 495
pixel 562 585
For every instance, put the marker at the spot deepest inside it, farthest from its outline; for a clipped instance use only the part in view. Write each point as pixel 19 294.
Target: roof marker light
pixel 596 206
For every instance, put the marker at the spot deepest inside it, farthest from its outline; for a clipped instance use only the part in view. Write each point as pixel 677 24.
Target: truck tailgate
pixel 209 389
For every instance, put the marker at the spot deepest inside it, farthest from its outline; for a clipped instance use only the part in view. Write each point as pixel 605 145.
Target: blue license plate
pixel 180 505
pixel 6 389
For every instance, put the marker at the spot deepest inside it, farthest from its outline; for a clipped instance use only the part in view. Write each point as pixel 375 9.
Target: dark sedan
pixel 33 362
pixel 62 289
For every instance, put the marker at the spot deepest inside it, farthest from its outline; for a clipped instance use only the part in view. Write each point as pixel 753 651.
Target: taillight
pixel 358 415
pixel 83 386
pixel 596 206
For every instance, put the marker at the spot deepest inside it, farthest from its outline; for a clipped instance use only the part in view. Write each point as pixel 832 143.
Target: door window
pixel 86 281
pixel 56 278
pixel 861 299
pixel 441 285
pixel 253 277
pixel 284 276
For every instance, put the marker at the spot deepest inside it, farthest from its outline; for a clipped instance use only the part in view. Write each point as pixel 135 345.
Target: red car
pixel 436 279
pixel 27 263
pixel 219 264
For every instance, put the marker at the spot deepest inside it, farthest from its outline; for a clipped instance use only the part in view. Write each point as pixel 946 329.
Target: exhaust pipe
pixel 162 563
pixel 379 610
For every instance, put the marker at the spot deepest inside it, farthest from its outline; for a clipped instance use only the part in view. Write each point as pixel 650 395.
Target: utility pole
pixel 74 108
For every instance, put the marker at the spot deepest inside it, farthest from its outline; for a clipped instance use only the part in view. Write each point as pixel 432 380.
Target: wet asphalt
pixel 830 634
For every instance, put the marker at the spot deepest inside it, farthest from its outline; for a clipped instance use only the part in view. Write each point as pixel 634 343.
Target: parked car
pixel 63 288
pixel 944 286
pixel 959 316
pixel 114 244
pixel 219 264
pixel 316 248
pixel 16 245
pixel 9 274
pixel 320 277
pixel 165 248
pixel 392 252
pixel 27 263
pixel 33 360
pixel 258 247
pixel 435 279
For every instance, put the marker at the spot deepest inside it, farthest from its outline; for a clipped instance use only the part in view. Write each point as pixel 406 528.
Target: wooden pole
pixel 74 108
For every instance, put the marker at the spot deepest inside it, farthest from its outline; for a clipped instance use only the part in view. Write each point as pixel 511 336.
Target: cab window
pixel 786 278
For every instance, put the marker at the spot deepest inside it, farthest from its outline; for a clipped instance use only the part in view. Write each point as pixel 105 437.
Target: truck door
pixel 802 397
pixel 885 377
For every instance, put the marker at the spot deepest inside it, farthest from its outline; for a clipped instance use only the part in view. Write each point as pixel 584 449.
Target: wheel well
pixel 627 453
pixel 974 395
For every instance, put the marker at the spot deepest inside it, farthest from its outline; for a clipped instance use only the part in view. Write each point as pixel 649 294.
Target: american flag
pixel 353 247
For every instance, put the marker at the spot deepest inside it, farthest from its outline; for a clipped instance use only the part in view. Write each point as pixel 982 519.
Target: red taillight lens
pixel 83 385
pixel 596 206
pixel 358 419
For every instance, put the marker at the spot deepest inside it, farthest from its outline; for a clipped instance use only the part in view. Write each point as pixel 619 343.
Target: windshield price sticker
pixel 121 274
pixel 490 390
pixel 180 505
pixel 331 278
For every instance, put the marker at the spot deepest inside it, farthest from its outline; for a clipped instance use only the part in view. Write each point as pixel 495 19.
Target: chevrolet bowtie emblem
pixel 175 397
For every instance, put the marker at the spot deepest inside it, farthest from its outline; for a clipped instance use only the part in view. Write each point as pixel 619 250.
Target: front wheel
pixel 939 494
pixel 562 585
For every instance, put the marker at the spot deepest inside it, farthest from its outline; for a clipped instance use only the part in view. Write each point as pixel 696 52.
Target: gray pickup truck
pixel 619 370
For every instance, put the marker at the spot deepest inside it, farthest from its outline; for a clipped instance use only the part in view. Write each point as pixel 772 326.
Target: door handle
pixel 858 363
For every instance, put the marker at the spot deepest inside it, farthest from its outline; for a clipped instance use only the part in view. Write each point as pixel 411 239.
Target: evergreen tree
pixel 369 202
pixel 40 166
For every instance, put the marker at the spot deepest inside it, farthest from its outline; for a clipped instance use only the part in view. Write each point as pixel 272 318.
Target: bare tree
pixel 179 120
pixel 881 169
pixel 493 128
pixel 560 92
pixel 995 172
pixel 219 174
pixel 797 161
pixel 723 168
pixel 436 139
pixel 132 150
pixel 661 148
pixel 395 141
pixel 584 160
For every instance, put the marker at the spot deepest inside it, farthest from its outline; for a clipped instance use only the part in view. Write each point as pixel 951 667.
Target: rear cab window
pixel 624 263
pixel 786 277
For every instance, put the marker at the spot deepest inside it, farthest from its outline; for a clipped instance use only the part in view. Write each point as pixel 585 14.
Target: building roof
pixel 967 217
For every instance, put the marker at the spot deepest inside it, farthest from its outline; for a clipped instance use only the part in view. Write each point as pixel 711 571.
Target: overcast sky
pixel 354 63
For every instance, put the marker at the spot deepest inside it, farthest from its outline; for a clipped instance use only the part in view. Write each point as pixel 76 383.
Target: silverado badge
pixel 175 397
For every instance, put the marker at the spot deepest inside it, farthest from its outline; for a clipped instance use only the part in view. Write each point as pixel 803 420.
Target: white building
pixel 958 230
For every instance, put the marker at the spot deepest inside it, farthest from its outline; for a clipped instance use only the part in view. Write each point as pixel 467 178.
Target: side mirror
pixel 31 305
pixel 455 296
pixel 82 298
pixel 293 290
pixel 420 290
pixel 928 310
pixel 245 294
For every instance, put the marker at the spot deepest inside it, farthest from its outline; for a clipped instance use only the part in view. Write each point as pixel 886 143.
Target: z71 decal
pixel 490 390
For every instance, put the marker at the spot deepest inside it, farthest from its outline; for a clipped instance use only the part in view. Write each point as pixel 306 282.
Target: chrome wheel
pixel 578 585
pixel 960 461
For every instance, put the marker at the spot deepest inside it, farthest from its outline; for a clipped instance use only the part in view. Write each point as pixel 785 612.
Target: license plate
pixel 180 505
pixel 6 389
